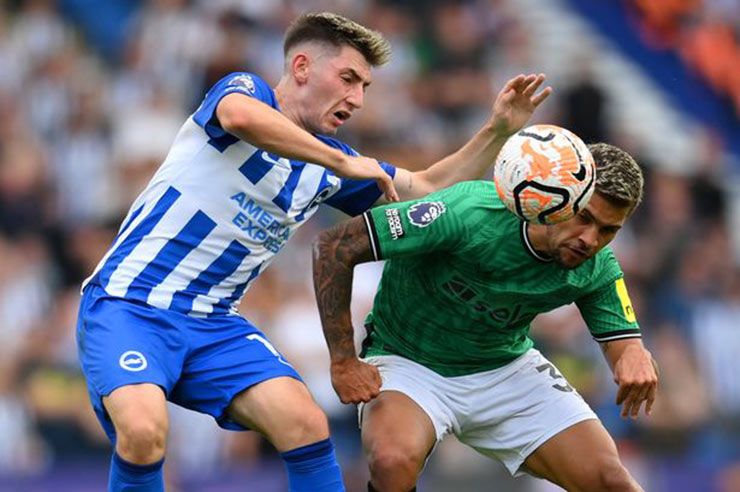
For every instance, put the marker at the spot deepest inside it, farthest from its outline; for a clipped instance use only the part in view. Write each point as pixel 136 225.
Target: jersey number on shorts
pixel 269 347
pixel 565 388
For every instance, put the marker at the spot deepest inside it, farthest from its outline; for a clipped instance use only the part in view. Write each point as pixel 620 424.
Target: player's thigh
pixel 395 428
pixel 230 356
pixel 513 410
pixel 125 344
pixel 283 410
pixel 139 411
pixel 409 416
pixel 577 458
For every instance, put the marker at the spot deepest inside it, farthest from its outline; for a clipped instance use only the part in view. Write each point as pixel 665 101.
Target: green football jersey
pixel 462 284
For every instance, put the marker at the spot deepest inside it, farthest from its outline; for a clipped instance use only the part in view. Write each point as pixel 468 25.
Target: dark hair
pixel 618 177
pixel 326 27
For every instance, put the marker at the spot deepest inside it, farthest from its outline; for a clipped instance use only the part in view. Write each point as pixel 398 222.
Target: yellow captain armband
pixel 624 298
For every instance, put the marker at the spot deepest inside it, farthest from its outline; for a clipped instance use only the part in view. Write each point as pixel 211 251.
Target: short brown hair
pixel 618 176
pixel 338 31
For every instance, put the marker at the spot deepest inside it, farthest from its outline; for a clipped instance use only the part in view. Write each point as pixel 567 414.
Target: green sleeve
pixel 608 312
pixel 433 223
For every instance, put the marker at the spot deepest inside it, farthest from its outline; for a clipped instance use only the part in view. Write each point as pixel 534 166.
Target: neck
pixel 287 103
pixel 537 234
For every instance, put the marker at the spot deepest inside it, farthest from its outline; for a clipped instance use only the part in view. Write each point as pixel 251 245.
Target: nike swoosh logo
pixel 581 174
pixel 535 136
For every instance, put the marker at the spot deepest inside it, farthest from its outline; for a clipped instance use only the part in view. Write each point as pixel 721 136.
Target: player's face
pixel 335 88
pixel 576 240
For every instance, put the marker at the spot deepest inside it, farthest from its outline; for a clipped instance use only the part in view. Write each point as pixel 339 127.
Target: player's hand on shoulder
pixel 636 373
pixel 516 102
pixel 361 167
pixel 355 381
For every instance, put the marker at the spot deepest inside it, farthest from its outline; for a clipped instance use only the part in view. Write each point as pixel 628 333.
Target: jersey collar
pixel 528 245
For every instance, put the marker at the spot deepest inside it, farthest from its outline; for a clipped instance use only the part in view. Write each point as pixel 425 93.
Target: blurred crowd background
pixel 92 94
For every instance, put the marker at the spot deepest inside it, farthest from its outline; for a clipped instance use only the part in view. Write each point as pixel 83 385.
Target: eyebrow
pixel 356 75
pixel 600 223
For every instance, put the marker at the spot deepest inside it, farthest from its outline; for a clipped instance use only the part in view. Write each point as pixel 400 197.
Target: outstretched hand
pixel 517 101
pixel 355 381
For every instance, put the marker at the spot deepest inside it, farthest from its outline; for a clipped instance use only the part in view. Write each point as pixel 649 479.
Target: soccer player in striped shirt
pixel 158 317
pixel 448 349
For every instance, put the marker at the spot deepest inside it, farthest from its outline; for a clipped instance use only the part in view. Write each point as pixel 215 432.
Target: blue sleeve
pixel 242 82
pixel 355 196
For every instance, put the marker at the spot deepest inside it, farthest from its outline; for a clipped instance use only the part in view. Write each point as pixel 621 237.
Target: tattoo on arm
pixel 335 254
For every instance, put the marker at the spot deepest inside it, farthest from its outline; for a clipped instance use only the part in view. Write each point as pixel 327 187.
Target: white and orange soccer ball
pixel 545 174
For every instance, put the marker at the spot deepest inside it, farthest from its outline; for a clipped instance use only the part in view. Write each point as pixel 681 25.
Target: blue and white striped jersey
pixel 217 211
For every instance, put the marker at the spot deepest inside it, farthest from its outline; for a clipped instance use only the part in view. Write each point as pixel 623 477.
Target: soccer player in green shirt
pixel 448 349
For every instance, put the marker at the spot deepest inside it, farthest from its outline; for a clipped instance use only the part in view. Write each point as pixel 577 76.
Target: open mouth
pixel 342 115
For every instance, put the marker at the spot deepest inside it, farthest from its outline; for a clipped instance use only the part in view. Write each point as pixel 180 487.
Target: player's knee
pixel 315 423
pixel 141 440
pixel 612 476
pixel 309 425
pixel 393 467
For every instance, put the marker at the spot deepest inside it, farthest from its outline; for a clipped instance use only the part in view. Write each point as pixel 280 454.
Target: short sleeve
pixel 434 223
pixel 240 82
pixel 355 196
pixel 608 312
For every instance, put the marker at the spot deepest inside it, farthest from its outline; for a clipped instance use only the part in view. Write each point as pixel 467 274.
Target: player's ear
pixel 299 66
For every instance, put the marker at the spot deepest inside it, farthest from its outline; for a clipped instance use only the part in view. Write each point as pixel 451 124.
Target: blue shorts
pixel 201 364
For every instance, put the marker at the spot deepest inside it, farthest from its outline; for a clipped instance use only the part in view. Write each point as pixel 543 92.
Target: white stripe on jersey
pixel 217 211
pixel 172 222
pixel 208 180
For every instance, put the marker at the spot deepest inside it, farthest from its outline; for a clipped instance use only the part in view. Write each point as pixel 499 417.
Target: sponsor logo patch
pixel 624 299
pixel 394 223
pixel 132 361
pixel 244 81
pixel 424 213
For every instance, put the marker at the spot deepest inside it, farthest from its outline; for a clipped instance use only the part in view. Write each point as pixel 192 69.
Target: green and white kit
pixel 450 322
pixel 462 283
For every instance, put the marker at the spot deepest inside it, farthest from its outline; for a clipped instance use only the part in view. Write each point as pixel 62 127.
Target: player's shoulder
pixel 476 185
pixel 337 144
pixel 250 81
pixel 476 204
pixel 603 268
pixel 606 259
pixel 478 194
pixel 247 83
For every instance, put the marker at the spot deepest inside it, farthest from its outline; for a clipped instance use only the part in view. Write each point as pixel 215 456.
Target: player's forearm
pixel 335 254
pixel 262 126
pixel 471 161
pixel 614 350
pixel 512 108
pixel 636 374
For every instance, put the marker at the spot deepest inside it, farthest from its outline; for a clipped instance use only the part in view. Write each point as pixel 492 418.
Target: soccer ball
pixel 544 174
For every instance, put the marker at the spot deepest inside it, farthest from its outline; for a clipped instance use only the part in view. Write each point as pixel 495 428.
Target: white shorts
pixel 505 413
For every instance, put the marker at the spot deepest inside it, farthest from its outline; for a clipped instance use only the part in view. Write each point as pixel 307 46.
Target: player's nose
pixel 590 237
pixel 356 97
